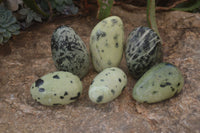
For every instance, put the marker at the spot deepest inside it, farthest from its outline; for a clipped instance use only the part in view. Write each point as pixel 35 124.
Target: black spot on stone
pixel 99 99
pixel 71 81
pixel 154 92
pixel 153 84
pixel 120 80
pixel 41 89
pixel 139 51
pixel 172 89
pixel 102 80
pixel 145 102
pixel 141 87
pixel 102 50
pixel 38 82
pixel 61 97
pixel 113 92
pixel 115 37
pixel 165 84
pixel 106 74
pixel 56 77
pixel 178 84
pixel 55 104
pixel 112 69
pixel 109 62
pixel 76 97
pixel 114 21
pixel 116 45
pixel 65 93
pixel 61 54
pixel 32 87
pixel 170 73
pixel 38 98
pixel 100 34
pixel 135 56
pixel 54 94
pixel 92 82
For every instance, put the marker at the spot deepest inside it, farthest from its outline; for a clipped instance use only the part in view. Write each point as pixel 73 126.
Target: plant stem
pixel 151 17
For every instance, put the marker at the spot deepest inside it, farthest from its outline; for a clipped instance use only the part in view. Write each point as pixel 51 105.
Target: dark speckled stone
pixel 69 51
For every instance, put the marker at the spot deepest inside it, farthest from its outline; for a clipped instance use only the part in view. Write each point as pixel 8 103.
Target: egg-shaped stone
pixel 69 51
pixel 159 83
pixel 57 88
pixel 106 43
pixel 107 85
pixel 143 50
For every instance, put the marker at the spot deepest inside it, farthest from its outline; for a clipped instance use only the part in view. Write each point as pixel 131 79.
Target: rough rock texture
pixel 28 57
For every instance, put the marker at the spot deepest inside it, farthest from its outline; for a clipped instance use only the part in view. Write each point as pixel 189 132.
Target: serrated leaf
pixel 6 34
pixel 104 8
pixel 29 18
pixel 23 11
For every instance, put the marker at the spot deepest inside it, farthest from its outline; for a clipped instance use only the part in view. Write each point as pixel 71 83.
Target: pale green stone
pixel 57 88
pixel 159 83
pixel 106 43
pixel 107 85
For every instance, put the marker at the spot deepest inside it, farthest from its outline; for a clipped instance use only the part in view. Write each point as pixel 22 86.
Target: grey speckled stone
pixel 69 51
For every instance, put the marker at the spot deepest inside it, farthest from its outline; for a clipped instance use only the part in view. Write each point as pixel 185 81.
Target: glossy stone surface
pixel 143 50
pixel 69 51
pixel 159 83
pixel 107 85
pixel 57 88
pixel 106 43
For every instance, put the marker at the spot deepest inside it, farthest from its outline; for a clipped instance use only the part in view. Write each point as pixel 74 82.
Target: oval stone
pixel 143 50
pixel 159 83
pixel 69 51
pixel 107 85
pixel 57 88
pixel 106 43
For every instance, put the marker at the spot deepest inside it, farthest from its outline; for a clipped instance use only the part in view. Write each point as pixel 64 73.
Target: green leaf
pixel 104 8
pixel 29 18
pixel 37 18
pixel 2 30
pixel 12 20
pixel 13 28
pixel 1 39
pixel 6 34
pixel 16 32
pixel 23 11
pixel 188 6
pixel 33 5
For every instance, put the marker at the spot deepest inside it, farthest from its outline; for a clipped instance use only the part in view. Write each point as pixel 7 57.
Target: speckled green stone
pixel 57 88
pixel 106 43
pixel 143 50
pixel 159 83
pixel 107 85
pixel 69 51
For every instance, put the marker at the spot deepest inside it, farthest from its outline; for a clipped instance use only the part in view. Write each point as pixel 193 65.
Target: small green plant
pixel 188 6
pixel 104 8
pixel 8 25
pixel 29 16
